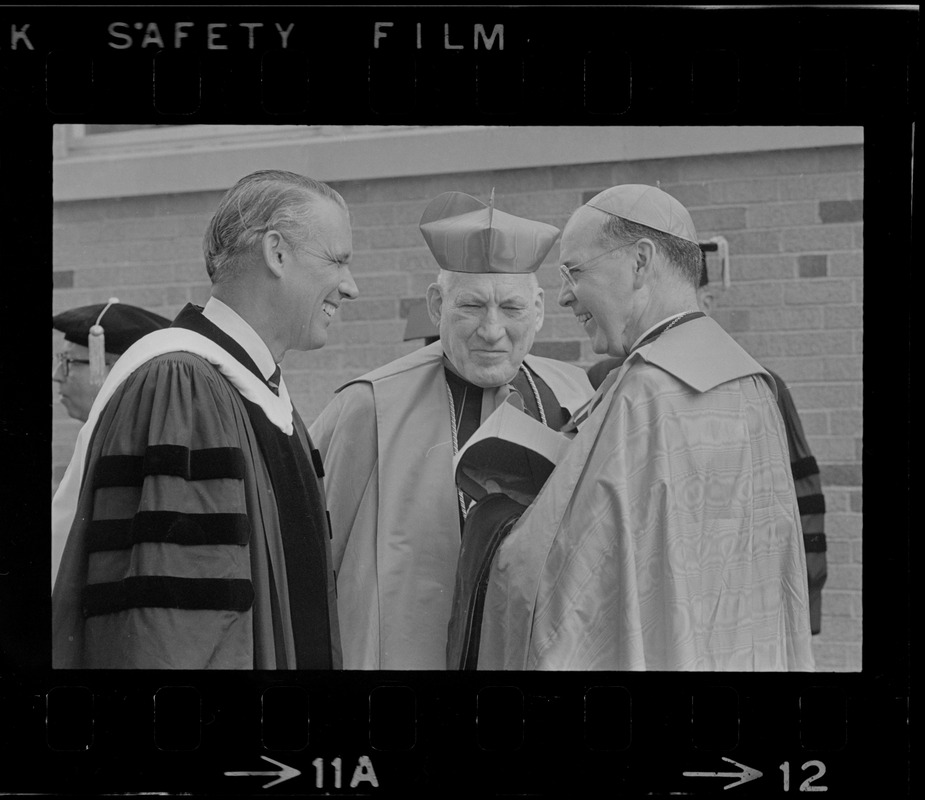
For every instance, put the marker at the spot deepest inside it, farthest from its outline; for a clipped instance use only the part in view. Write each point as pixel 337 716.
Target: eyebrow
pixel 343 257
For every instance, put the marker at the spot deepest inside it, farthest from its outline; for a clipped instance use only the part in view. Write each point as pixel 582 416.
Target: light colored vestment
pixel 668 537
pixel 387 449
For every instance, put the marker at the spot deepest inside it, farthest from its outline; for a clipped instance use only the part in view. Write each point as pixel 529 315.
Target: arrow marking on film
pixel 285 774
pixel 747 774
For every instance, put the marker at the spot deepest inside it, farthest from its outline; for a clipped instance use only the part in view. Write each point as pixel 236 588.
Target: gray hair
pixel 262 201
pixel 685 256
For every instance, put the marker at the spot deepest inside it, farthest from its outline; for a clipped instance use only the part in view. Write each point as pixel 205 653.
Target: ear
pixel 706 300
pixel 644 264
pixel 540 308
pixel 275 252
pixel 434 303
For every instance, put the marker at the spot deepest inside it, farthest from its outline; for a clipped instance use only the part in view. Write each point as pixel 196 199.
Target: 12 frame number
pixel 808 784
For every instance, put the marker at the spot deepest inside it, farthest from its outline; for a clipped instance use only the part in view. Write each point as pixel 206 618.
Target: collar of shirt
pixel 657 324
pixel 232 323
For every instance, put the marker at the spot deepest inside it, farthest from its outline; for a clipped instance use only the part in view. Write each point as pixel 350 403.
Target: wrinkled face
pixel 75 391
pixel 602 296
pixel 487 323
pixel 319 278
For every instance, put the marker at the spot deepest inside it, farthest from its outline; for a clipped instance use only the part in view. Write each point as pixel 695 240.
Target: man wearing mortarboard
pixel 388 438
pixel 95 337
pixel 668 537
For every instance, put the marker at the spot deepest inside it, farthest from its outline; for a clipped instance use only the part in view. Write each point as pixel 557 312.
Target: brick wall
pixel 792 219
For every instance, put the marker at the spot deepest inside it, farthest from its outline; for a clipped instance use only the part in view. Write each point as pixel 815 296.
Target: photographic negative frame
pixel 424 732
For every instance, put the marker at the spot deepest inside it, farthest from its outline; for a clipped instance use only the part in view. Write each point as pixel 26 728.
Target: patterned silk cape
pixel 668 538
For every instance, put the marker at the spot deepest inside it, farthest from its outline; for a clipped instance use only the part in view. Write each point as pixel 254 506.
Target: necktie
pixel 273 381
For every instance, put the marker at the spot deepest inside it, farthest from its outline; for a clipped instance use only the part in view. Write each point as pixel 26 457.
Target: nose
pixel 490 328
pixel 57 371
pixel 347 286
pixel 565 298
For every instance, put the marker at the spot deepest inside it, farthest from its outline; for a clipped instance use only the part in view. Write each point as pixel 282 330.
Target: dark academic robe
pixel 199 536
pixel 810 500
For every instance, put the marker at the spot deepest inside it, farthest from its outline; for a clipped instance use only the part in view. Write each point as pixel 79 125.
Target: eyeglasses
pixel 567 271
pixel 63 362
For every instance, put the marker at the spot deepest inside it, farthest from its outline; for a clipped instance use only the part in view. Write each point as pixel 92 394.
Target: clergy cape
pixel 387 449
pixel 668 536
pixel 185 533
pixel 806 478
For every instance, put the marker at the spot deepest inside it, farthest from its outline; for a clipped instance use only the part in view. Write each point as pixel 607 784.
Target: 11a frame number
pixel 808 785
pixel 364 772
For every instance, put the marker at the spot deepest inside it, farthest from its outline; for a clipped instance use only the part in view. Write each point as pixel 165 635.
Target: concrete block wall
pixel 793 220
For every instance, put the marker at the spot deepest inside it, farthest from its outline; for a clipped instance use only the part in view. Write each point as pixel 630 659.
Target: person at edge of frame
pixel 198 536
pixel 668 537
pixel 90 349
pixel 79 370
pixel 388 438
pixel 803 466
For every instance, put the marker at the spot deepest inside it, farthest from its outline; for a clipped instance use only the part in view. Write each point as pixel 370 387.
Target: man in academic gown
pixel 388 438
pixel 197 528
pixel 806 477
pixel 94 338
pixel 668 536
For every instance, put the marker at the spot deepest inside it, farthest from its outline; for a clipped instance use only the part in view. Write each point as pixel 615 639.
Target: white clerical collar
pixel 232 323
pixel 656 325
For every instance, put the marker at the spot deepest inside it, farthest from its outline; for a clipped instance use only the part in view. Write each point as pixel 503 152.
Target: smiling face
pixel 317 278
pixel 604 296
pixel 487 322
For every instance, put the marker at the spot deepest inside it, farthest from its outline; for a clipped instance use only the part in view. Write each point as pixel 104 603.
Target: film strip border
pixel 501 733
pixel 705 65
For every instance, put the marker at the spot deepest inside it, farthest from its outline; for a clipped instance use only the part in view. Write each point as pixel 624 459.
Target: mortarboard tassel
pixel 722 246
pixel 96 344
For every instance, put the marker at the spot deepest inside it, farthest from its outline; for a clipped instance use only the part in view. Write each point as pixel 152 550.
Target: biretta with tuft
pixel 646 205
pixel 466 235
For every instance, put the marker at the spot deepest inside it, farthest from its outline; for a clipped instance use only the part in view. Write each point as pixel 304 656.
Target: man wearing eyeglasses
pixel 198 535
pixel 668 537
pixel 115 327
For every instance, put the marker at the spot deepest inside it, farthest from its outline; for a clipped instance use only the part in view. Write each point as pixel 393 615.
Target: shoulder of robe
pixel 422 357
pixel 353 404
pixel 569 370
pixel 644 380
pixel 179 374
pixel 179 366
